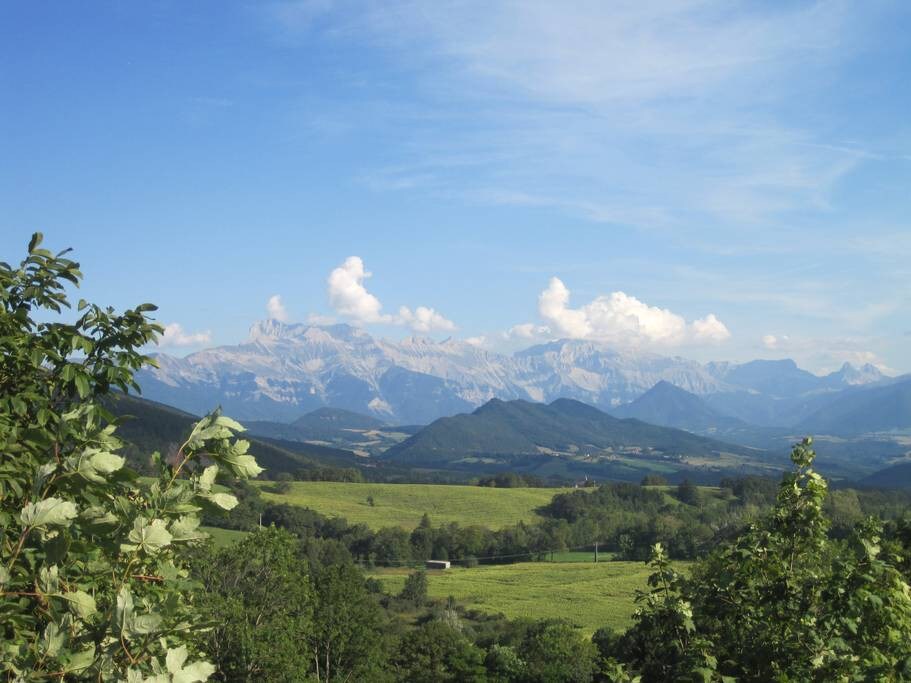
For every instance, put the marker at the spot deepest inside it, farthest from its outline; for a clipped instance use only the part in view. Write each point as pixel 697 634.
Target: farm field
pixel 588 594
pixel 222 538
pixel 404 504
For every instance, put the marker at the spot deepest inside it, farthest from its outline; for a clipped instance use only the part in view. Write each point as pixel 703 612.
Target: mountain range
pixel 284 371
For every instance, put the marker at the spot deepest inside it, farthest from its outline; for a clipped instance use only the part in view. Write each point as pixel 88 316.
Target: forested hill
pixel 564 426
pixel 153 426
pixel 668 405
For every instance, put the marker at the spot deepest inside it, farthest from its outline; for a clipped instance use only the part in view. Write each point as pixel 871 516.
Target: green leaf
pixel 48 512
pixel 81 603
pixel 95 465
pixel 186 529
pixel 124 612
pixel 175 659
pixel 34 243
pixel 49 579
pixel 143 624
pixel 81 660
pixel 106 463
pixel 82 385
pixel 223 500
pixel 223 421
pixel 52 640
pixel 152 537
pixel 243 466
pixel 195 672
pixel 98 515
pixel 207 478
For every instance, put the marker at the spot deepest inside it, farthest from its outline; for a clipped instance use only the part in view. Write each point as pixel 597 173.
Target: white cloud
pixel 624 319
pixel 860 358
pixel 771 342
pixel 526 331
pixel 423 319
pixel 710 329
pixel 174 335
pixel 317 319
pixel 350 298
pixel 480 341
pixel 276 308
pixel 553 307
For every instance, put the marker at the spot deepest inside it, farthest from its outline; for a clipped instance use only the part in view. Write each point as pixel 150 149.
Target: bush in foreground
pixel 93 566
pixel 784 601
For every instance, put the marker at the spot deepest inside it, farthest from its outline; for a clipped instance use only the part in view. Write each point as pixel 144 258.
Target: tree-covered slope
pixel 670 406
pixel 152 426
pixel 564 426
pixel 892 477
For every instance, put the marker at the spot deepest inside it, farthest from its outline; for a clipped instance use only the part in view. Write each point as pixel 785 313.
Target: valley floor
pixel 588 594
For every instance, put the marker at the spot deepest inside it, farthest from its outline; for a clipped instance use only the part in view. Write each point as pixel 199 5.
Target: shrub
pixel 93 565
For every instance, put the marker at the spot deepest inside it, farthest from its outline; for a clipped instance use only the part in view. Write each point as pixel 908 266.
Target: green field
pixel 589 595
pixel 404 504
pixel 222 538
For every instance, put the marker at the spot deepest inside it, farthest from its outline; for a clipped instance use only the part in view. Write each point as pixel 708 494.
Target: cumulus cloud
pixel 423 319
pixel 317 319
pixel 527 331
pixel 621 318
pixel 480 341
pixel 349 297
pixel 710 329
pixel 174 335
pixel 276 308
pixel 771 341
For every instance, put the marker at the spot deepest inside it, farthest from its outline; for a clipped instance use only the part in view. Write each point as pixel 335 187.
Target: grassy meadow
pixel 588 594
pixel 221 538
pixel 404 504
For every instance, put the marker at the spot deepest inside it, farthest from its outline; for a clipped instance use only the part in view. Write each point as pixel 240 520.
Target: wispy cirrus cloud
pixel 638 114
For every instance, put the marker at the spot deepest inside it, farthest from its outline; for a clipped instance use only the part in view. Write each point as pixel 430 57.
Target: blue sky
pixel 718 180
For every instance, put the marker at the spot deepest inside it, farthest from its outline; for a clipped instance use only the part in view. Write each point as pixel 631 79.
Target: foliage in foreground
pixel 93 567
pixel 783 602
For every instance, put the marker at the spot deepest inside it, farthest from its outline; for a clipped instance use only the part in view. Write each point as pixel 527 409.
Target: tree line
pixel 626 520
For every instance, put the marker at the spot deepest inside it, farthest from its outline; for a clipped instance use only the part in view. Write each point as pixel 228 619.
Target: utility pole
pixel 596 552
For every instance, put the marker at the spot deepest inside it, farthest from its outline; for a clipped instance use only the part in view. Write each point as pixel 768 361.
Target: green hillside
pixel 404 504
pixel 568 438
pixel 152 426
pixel 519 427
pixel 589 595
pixel 896 476
pixel 670 406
